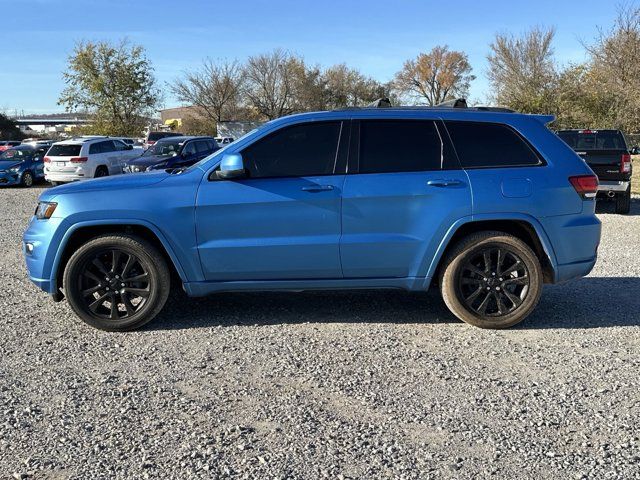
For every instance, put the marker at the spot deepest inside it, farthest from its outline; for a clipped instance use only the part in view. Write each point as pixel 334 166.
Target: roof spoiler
pixel 544 119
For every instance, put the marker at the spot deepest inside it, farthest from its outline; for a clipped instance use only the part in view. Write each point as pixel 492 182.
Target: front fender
pixel 432 259
pixel 115 222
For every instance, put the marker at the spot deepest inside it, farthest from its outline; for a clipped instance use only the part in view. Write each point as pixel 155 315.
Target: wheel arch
pixel 523 227
pixel 82 232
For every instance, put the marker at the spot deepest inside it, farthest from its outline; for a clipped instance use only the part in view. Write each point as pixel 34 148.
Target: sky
pixel 374 36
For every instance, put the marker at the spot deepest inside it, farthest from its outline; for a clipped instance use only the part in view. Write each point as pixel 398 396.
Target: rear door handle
pixel 443 183
pixel 317 188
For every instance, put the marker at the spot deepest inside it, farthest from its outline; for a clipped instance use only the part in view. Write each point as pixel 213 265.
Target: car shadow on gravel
pixel 273 308
pixel 592 302
pixel 609 206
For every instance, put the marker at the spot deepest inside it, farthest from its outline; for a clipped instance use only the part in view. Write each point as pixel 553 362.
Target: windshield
pixel 594 140
pixel 15 155
pixel 163 148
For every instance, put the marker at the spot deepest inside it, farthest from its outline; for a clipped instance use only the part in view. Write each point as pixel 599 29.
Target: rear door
pixel 400 197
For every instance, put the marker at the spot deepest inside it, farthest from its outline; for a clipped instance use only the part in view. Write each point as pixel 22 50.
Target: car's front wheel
pixel 117 282
pixel 27 179
pixel 491 280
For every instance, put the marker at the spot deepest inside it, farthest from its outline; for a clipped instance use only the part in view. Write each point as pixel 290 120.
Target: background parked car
pixel 606 152
pixel 222 141
pixel 153 137
pixel 86 157
pixel 21 165
pixel 6 144
pixel 173 152
pixel 134 142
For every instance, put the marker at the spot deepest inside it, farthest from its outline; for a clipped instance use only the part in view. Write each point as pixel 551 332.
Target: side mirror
pixel 129 147
pixel 634 151
pixel 231 166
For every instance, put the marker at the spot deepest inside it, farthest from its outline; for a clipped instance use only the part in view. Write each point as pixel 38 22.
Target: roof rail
pixel 453 103
pixel 383 102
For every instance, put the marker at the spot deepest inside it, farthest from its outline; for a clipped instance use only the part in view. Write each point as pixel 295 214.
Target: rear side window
pixel 486 145
pixel 297 151
pixel 594 139
pixel 399 146
pixel 64 150
pixel 202 146
pixel 101 147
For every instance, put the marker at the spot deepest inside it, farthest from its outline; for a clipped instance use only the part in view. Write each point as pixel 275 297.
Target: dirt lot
pixel 324 385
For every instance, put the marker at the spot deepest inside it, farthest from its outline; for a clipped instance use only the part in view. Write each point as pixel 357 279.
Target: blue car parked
pixel 172 152
pixel 487 204
pixel 22 165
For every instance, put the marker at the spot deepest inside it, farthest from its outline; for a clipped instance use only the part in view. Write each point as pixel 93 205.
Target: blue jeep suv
pixel 487 204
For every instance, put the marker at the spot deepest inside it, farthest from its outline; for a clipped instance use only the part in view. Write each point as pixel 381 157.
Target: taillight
pixel 47 159
pixel 585 185
pixel 625 163
pixel 78 159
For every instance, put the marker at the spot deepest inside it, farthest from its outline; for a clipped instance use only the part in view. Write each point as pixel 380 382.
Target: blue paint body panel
pixel 367 231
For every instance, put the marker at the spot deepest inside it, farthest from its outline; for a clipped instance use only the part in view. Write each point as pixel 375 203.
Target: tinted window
pixel 64 151
pixel 189 149
pixel 300 150
pixel 202 146
pixel 490 145
pixel 593 140
pixel 120 145
pixel 416 146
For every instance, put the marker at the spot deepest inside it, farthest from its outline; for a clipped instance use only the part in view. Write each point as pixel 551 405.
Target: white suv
pixel 86 157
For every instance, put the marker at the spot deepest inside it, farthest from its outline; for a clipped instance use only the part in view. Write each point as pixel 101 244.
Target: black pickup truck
pixel 606 152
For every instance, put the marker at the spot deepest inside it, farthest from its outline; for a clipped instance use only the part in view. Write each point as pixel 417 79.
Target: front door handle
pixel 443 183
pixel 317 188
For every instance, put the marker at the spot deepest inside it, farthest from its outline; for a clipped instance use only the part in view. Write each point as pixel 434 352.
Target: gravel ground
pixel 324 385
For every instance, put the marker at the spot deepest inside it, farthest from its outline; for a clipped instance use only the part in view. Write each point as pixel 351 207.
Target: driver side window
pixel 301 150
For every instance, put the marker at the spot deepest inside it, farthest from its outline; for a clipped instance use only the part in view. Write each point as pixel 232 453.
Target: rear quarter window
pixel 490 145
pixel 64 151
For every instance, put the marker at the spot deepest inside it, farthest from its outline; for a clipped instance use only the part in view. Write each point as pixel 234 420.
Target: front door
pixel 283 220
pixel 405 191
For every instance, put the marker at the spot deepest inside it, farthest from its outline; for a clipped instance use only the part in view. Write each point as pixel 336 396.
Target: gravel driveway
pixel 324 385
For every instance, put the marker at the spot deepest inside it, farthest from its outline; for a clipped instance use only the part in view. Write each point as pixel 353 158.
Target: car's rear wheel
pixel 623 201
pixel 101 171
pixel 27 179
pixel 491 280
pixel 117 282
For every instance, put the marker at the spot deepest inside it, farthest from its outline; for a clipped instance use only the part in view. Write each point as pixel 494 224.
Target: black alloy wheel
pixel 494 282
pixel 117 282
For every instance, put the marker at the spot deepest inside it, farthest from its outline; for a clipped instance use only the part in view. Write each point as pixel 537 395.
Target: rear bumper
pixel 613 186
pixel 574 270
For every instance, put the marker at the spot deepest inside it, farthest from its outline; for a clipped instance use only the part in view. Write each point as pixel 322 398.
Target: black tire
pixel 101 171
pixel 27 179
pixel 467 284
pixel 623 202
pixel 100 271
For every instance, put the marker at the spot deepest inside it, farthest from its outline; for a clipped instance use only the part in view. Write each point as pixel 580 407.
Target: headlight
pixel 44 210
pixel 14 169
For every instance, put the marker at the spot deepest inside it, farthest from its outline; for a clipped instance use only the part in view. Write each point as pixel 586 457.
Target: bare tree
pixel 215 89
pixel 271 83
pixel 435 77
pixel 615 68
pixel 522 70
pixel 347 87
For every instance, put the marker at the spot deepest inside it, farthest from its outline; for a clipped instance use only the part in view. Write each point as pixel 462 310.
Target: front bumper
pixel 613 186
pixel 9 178
pixel 43 236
